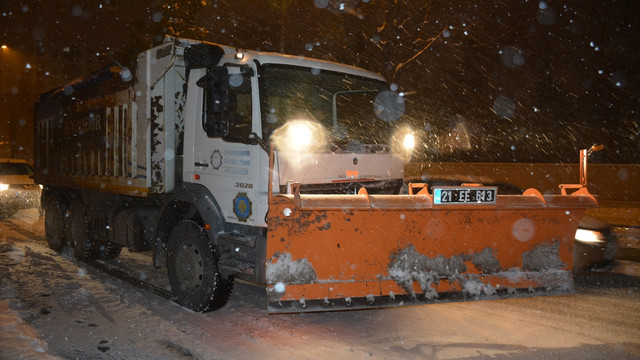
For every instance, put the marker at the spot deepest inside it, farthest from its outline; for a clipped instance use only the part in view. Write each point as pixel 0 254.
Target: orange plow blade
pixel 336 252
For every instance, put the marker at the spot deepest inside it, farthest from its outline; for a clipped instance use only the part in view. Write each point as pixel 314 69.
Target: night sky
pixel 528 81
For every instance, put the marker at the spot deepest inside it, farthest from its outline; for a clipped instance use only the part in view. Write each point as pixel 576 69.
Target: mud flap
pixel 335 252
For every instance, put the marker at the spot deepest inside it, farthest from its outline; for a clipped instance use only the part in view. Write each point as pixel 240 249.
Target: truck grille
pixel 373 187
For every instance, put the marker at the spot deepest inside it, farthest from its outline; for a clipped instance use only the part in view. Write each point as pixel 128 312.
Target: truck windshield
pixel 344 104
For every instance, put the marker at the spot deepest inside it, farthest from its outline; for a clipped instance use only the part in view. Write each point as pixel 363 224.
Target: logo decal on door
pixel 216 159
pixel 242 206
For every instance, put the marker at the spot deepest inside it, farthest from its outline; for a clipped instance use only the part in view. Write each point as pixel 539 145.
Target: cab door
pixel 226 157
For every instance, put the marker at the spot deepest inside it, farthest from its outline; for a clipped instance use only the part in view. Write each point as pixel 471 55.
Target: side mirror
pixel 216 82
pixel 202 55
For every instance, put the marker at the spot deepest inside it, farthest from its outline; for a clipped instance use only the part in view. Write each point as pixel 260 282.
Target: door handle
pixel 201 164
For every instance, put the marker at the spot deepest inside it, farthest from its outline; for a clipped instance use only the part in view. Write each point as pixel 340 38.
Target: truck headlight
pixel 403 142
pixel 409 142
pixel 299 136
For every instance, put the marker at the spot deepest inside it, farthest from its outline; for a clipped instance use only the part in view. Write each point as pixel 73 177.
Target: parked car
pixel 595 246
pixel 17 188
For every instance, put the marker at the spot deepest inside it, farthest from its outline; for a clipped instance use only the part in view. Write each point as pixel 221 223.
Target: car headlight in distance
pixel 589 236
pixel 4 187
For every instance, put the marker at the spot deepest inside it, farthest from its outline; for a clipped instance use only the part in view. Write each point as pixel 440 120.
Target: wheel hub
pixel 189 266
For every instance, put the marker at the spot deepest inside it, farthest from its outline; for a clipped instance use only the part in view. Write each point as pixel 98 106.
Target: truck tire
pixel 109 250
pixel 54 228
pixel 193 270
pixel 84 247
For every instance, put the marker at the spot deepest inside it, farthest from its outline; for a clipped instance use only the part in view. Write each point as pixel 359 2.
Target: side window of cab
pixel 240 101
pixel 227 106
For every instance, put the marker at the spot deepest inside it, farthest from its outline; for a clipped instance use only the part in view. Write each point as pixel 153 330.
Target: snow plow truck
pixel 286 172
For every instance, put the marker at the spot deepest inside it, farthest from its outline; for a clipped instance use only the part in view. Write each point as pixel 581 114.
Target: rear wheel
pixel 193 270
pixel 109 250
pixel 54 223
pixel 84 247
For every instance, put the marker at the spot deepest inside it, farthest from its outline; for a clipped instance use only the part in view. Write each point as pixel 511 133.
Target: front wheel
pixel 193 270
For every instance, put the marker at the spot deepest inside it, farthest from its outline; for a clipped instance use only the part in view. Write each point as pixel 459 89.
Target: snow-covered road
pixel 52 307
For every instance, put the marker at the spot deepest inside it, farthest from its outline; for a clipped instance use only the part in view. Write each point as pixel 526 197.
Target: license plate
pixel 465 195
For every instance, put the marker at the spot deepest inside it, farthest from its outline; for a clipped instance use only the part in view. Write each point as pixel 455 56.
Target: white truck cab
pixel 321 116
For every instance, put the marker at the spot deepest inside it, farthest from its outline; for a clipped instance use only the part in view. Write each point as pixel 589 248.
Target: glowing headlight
pixel 403 141
pixel 299 136
pixel 589 236
pixel 4 187
pixel 409 142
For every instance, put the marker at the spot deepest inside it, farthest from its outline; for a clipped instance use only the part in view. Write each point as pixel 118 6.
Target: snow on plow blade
pixel 336 252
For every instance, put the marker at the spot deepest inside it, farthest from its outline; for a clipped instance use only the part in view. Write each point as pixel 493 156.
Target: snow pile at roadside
pixel 18 340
